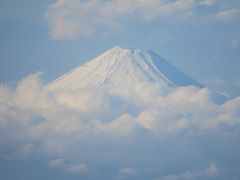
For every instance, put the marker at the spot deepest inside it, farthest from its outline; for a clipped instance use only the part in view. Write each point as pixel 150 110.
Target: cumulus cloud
pixel 186 107
pixel 122 126
pixel 93 128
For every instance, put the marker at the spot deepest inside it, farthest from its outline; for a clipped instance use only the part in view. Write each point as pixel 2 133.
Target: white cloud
pixel 186 107
pixel 76 18
pixel 122 126
pixel 136 134
pixel 93 112
pixel 69 19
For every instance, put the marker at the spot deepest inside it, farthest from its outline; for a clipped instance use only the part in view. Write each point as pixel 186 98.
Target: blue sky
pixel 200 37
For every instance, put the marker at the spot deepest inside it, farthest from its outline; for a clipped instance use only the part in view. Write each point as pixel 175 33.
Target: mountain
pixel 121 69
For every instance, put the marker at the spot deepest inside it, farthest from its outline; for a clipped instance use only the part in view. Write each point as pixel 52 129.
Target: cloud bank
pixel 173 136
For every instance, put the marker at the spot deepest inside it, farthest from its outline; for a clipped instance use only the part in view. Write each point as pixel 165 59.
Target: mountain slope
pixel 120 68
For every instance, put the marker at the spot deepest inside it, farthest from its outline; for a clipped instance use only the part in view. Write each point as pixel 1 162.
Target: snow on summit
pixel 124 69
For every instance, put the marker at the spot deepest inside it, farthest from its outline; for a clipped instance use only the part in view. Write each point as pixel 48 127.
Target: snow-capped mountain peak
pixel 123 68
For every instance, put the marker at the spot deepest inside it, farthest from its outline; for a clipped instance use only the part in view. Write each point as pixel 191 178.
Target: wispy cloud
pixel 70 19
pixel 77 168
pixel 68 167
pixel 57 163
pixel 76 18
pixel 208 2
pixel 211 171
pixel 125 172
pixel 227 15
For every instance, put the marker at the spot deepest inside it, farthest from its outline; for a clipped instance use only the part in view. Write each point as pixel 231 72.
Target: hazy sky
pixel 183 135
